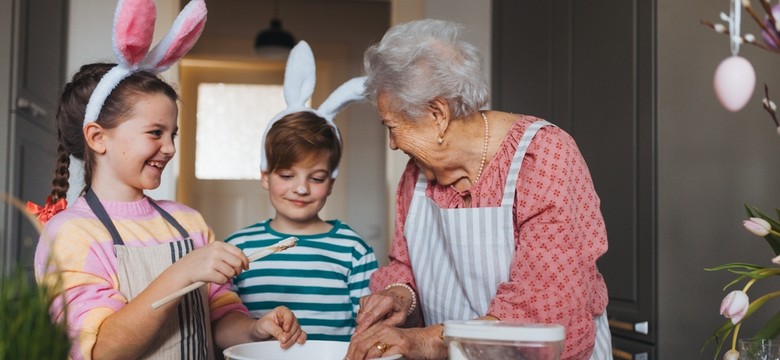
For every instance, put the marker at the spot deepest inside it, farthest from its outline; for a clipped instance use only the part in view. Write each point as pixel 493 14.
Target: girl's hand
pixel 281 324
pixel 217 262
pixel 390 306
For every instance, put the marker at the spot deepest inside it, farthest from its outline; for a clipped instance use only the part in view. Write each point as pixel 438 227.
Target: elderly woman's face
pixel 415 137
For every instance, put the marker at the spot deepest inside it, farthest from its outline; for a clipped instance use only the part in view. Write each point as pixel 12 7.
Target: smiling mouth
pixel 298 202
pixel 157 164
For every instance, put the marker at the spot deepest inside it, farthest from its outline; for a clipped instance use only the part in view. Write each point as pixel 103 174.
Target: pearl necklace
pixel 484 148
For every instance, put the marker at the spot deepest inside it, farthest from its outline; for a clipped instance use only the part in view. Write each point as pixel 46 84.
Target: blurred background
pixel 631 80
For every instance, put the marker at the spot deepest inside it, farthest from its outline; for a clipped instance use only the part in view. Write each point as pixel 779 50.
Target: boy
pixel 324 275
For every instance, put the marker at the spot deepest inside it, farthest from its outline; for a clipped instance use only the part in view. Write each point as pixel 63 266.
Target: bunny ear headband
pixel 132 37
pixel 299 79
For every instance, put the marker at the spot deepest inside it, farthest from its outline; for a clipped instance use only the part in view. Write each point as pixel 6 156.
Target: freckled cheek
pixel 320 190
pixel 280 189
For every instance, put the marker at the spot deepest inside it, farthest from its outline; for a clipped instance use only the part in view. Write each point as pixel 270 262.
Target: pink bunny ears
pixel 299 79
pixel 132 38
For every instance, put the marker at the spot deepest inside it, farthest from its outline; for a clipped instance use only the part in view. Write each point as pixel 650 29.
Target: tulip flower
pixel 735 305
pixel 731 355
pixel 757 226
pixel 770 33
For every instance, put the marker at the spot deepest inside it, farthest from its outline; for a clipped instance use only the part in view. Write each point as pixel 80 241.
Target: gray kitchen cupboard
pixel 32 68
pixel 631 80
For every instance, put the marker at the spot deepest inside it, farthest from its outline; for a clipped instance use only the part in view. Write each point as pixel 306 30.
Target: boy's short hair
pixel 300 136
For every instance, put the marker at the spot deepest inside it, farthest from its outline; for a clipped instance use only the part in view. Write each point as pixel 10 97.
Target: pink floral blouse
pixel 559 232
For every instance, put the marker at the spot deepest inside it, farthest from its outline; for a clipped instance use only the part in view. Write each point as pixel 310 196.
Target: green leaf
pixel 27 330
pixel 745 266
pixel 771 329
pixel 720 336
pixel 735 281
pixel 759 273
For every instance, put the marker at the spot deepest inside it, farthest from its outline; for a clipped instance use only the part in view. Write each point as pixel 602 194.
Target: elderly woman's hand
pixel 385 340
pixel 390 307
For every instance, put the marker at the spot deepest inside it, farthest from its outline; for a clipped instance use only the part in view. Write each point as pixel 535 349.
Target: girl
pixel 116 251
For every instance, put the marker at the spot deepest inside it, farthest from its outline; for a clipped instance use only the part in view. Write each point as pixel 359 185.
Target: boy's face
pixel 299 193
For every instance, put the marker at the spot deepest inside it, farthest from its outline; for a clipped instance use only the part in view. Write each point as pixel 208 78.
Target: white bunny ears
pixel 299 79
pixel 132 37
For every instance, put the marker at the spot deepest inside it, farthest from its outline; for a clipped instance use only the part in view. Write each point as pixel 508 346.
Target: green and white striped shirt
pixel 320 279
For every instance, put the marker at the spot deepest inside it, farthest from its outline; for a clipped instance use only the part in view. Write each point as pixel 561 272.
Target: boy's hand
pixel 281 324
pixel 217 262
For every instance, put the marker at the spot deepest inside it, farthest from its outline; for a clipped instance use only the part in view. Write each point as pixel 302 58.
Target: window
pixel 231 120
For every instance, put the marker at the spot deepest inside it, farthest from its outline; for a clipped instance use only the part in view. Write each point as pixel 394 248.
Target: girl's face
pixel 415 137
pixel 137 150
pixel 299 193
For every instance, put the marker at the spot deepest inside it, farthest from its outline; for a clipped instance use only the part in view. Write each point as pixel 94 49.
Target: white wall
pixel 89 40
pixel 476 17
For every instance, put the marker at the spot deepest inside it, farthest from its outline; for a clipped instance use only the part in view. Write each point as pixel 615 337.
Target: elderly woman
pixel 497 217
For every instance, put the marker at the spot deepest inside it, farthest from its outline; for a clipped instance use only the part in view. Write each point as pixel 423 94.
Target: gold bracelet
pixel 414 296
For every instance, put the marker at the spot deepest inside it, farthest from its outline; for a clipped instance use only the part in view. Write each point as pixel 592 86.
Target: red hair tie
pixel 46 212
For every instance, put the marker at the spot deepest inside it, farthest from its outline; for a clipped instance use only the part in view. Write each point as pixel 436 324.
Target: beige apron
pixel 460 256
pixel 187 334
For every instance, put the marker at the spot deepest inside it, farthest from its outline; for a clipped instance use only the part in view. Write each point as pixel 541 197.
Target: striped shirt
pixel 320 279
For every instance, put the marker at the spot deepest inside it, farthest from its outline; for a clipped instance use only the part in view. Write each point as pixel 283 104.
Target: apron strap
pixel 421 185
pixel 102 215
pixel 171 220
pixel 514 170
pixel 517 161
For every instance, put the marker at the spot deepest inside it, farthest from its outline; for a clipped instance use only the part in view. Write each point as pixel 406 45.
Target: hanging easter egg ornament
pixel 735 78
pixel 734 81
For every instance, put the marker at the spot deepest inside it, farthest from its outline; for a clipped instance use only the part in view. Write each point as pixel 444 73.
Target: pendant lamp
pixel 274 42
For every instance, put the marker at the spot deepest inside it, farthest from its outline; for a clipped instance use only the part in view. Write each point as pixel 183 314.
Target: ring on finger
pixel 381 346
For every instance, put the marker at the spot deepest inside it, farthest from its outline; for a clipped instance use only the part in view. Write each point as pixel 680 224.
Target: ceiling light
pixel 274 42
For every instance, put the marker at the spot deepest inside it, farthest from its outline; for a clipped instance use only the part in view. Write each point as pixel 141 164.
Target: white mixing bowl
pixel 312 349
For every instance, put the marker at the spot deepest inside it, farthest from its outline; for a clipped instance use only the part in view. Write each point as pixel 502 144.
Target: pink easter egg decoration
pixel 734 82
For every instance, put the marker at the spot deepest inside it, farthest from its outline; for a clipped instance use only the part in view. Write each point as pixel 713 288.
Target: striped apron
pixel 187 334
pixel 460 256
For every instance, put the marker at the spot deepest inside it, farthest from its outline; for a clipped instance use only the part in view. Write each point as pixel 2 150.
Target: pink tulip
pixel 757 226
pixel 731 355
pixel 734 306
pixel 769 40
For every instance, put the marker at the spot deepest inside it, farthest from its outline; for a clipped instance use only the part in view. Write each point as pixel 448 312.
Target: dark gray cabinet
pixel 40 55
pixel 36 68
pixel 588 67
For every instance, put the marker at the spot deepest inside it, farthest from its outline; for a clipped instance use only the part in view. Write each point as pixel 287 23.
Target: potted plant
pixel 27 330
